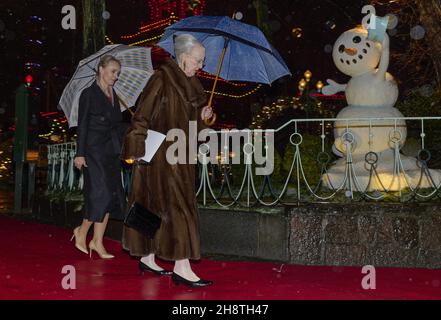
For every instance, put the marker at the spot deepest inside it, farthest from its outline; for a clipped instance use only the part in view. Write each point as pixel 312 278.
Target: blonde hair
pixel 104 62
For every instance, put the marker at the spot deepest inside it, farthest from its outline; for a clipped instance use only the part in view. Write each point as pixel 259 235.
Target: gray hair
pixel 105 60
pixel 184 43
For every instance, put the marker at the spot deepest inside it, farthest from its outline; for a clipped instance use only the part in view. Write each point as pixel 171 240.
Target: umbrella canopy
pixel 248 54
pixel 136 70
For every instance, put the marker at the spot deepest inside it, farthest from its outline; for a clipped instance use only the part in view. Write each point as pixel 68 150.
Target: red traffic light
pixel 29 79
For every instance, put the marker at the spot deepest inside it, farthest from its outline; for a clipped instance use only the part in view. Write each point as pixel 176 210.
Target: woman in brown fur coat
pixel 172 98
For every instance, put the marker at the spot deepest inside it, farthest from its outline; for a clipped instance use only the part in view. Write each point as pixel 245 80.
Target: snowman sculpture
pixel 375 141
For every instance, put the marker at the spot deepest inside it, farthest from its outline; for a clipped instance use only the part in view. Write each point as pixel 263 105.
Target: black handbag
pixel 142 220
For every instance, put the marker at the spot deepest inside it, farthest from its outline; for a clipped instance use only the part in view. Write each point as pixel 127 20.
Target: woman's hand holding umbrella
pixel 206 113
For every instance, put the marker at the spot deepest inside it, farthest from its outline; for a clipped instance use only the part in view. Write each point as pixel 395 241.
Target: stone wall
pixel 397 235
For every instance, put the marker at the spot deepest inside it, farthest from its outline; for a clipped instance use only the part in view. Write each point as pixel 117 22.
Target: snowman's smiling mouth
pixel 353 53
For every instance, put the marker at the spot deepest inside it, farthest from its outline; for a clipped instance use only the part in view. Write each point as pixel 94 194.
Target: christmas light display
pixel 58 125
pixel 236 96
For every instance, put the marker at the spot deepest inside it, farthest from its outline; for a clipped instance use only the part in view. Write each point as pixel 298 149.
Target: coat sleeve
pixel 134 141
pixel 83 121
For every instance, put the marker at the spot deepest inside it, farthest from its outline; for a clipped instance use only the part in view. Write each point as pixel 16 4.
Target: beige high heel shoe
pixel 103 255
pixel 75 232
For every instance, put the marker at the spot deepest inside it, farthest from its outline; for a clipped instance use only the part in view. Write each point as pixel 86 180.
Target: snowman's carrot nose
pixel 351 51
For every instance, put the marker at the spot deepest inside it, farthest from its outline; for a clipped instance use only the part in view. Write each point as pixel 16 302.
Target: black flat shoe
pixel 143 267
pixel 177 279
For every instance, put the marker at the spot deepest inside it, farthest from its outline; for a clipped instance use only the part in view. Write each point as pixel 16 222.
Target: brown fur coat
pixel 170 100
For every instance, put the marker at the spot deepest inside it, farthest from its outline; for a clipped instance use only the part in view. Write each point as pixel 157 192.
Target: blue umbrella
pixel 233 50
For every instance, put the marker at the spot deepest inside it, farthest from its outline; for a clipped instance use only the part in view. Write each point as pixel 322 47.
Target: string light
pixel 182 9
pixel 172 17
pixel 202 7
pixel 146 40
pixel 108 40
pixel 152 26
pixel 236 96
pixel 202 74
pixel 144 31
pixel 136 43
pixel 159 7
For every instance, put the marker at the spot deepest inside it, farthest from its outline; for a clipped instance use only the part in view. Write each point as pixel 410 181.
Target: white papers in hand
pixel 152 143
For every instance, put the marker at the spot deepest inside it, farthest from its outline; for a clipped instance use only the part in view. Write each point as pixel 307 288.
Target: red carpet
pixel 33 255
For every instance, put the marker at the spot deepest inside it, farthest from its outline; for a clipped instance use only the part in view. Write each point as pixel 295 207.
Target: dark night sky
pixel 307 52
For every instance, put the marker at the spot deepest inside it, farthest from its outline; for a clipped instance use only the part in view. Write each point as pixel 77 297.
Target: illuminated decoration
pixel 236 96
pixel 35 18
pixel 57 122
pixel 197 6
pixel 319 86
pixel 108 40
pixel 6 166
pixel 297 32
pixel 32 64
pixel 161 8
pixel 161 25
pixel 267 112
pixel 305 84
pixel 35 41
pixel 308 75
pixel 146 40
pixel 29 79
pixel 205 75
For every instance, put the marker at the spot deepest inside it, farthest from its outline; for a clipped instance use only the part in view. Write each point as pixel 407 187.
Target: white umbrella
pixel 136 70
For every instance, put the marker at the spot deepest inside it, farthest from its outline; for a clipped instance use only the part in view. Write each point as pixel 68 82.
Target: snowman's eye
pixel 341 48
pixel 356 39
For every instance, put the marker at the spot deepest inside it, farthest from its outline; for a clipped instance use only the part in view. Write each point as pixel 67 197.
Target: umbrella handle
pixel 207 121
pixel 210 121
pixel 125 105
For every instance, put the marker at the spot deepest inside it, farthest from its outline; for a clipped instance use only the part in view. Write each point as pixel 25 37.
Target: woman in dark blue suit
pixel 100 130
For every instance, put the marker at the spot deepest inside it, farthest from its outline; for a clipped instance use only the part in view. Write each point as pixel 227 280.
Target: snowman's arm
pixel 384 61
pixel 333 87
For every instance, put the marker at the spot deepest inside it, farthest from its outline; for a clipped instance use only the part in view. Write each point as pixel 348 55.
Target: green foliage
pixel 420 104
pixel 424 103
pixel 278 175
